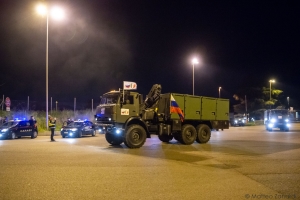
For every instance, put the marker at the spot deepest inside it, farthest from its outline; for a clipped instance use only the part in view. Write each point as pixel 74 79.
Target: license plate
pixel 66 132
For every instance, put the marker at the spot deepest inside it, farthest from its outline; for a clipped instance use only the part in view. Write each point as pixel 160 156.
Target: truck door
pixel 192 109
pixel 129 108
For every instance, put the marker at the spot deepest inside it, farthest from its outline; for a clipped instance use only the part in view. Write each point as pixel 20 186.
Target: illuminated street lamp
pixel 271 81
pixel 194 61
pixel 220 92
pixel 58 14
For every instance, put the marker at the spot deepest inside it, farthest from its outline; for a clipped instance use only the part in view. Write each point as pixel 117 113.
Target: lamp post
pixel 288 101
pixel 271 81
pixel 220 92
pixel 57 13
pixel 194 61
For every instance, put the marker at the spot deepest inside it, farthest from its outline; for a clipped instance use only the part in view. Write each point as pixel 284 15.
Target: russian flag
pixel 129 85
pixel 174 108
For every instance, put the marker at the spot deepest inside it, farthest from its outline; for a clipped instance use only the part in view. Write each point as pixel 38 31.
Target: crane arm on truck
pixel 152 97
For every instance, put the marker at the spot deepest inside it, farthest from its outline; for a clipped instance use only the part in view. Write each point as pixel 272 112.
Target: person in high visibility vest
pixel 52 124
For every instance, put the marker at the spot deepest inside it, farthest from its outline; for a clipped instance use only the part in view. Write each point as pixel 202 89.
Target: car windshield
pixel 9 124
pixel 76 124
pixel 279 112
pixel 110 99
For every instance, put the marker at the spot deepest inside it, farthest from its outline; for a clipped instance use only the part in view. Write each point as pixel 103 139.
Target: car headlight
pixel 286 120
pixel 4 130
pixel 273 120
pixel 235 121
pixel 74 129
pixel 243 121
pixel 270 125
pixel 118 131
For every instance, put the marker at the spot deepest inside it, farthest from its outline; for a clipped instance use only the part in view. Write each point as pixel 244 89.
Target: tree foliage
pixel 254 98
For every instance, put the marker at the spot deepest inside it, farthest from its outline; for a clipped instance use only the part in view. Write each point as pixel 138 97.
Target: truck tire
pixel 113 139
pixel 135 136
pixel 203 133
pixel 188 134
pixel 79 134
pixel 176 135
pixel 165 138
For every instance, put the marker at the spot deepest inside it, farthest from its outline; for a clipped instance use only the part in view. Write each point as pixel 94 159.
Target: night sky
pixel 102 43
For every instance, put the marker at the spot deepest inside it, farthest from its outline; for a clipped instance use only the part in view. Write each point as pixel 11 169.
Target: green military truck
pixel 125 117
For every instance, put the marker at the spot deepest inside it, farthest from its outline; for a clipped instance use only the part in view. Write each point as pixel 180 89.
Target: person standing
pixel 52 124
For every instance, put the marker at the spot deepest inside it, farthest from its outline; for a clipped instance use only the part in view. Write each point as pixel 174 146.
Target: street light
pixel 194 61
pixel 220 92
pixel 271 81
pixel 288 100
pixel 58 14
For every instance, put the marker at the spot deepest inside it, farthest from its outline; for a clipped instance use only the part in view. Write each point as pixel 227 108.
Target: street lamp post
pixel 271 81
pixel 194 61
pixel 220 92
pixel 288 101
pixel 58 14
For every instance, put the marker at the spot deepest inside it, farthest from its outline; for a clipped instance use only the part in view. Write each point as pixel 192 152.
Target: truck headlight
pixel 270 125
pixel 74 129
pixel 273 120
pixel 4 130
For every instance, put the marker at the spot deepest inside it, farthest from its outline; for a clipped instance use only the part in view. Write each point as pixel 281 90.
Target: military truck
pixel 277 118
pixel 125 117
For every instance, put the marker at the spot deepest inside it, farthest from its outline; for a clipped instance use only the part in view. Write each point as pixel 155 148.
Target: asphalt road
pixel 239 163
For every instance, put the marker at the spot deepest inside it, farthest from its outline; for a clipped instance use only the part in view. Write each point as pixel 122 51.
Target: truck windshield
pixel 279 112
pixel 110 99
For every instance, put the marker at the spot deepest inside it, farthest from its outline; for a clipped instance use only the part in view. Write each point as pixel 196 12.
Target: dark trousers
pixel 52 133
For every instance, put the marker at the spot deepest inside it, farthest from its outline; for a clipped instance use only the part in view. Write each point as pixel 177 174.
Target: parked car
pixel 78 129
pixel 17 129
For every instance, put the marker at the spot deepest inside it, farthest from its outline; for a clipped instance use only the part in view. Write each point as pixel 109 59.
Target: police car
pixel 78 129
pixel 17 129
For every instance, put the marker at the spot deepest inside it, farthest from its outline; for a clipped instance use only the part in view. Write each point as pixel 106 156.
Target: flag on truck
pixel 129 85
pixel 174 108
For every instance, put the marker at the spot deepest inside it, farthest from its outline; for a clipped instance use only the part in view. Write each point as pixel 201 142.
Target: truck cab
pixel 115 108
pixel 277 118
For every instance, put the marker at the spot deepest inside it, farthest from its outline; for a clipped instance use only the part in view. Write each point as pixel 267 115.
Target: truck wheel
pixel 203 133
pixel 176 135
pixel 135 136
pixel 165 138
pixel 34 134
pixel 113 139
pixel 188 134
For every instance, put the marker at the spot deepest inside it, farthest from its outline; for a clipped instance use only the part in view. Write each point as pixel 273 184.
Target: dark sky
pixel 102 43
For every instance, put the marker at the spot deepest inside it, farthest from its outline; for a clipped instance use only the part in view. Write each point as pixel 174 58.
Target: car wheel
pixel 34 134
pixel 203 133
pixel 188 134
pixel 79 134
pixel 135 136
pixel 63 136
pixel 94 133
pixel 13 135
